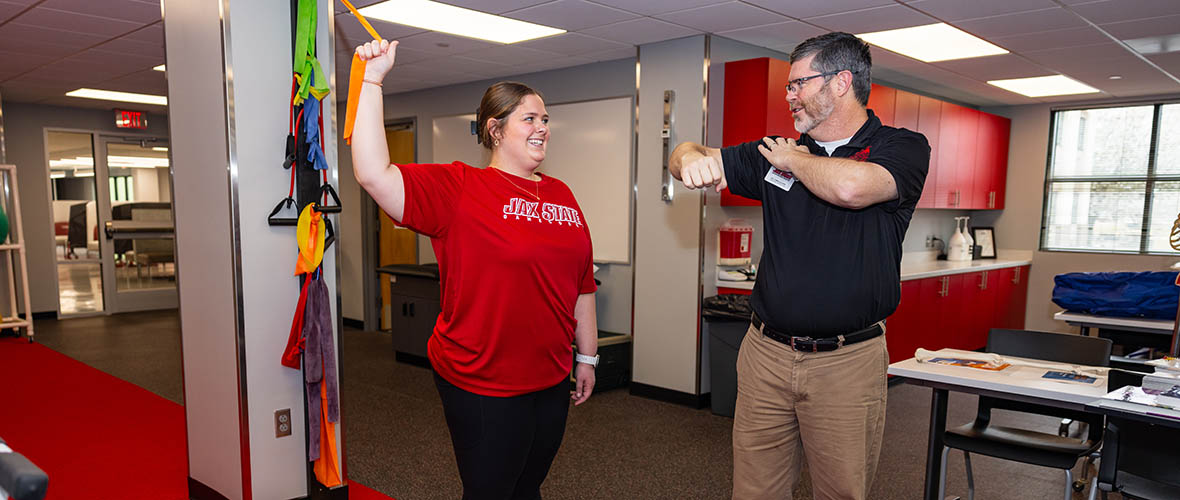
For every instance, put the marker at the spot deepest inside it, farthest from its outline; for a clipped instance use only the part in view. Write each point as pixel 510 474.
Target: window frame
pixel 1149 179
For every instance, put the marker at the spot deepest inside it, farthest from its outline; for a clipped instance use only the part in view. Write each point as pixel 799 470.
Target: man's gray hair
pixel 838 51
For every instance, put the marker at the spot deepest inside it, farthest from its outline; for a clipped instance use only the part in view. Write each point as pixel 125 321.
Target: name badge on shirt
pixel 784 180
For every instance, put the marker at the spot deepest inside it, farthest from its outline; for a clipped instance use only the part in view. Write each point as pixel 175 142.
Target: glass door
pixel 75 223
pixel 134 184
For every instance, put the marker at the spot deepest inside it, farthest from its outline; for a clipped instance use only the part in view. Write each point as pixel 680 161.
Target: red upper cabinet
pixel 948 152
pixel 930 125
pixel 882 102
pixel 905 110
pixel 992 170
pixel 967 159
pixel 755 107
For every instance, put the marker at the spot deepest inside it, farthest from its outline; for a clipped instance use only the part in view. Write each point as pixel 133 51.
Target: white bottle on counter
pixel 970 247
pixel 957 248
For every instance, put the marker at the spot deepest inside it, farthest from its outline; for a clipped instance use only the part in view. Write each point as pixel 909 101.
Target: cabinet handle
pixel 1016 277
pixel 411 309
pixel 991 199
pixel 958 197
pixel 942 292
pixel 404 310
pixel 983 281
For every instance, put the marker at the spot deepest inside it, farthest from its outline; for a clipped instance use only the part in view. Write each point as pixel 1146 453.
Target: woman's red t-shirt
pixel 511 266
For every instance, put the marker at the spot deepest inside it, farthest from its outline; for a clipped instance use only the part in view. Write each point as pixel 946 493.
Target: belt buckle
pixel 814 346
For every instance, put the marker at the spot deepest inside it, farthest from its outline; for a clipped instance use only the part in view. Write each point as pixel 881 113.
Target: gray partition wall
pixel 229 75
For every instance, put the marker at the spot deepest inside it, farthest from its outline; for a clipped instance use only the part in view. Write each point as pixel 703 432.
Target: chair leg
pixel 942 474
pixel 1093 488
pixel 1068 484
pixel 970 477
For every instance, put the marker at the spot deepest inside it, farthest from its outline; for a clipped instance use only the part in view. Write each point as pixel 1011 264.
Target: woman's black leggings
pixel 504 446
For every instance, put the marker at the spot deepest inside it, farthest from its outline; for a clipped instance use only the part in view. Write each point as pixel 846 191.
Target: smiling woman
pixel 516 271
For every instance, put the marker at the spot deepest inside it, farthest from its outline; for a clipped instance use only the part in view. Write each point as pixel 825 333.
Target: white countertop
pixel 923 265
pixel 1134 324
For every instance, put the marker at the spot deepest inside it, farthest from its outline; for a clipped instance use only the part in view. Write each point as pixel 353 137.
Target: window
pixel 1113 183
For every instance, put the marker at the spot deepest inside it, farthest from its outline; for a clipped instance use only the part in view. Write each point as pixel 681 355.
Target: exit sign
pixel 130 119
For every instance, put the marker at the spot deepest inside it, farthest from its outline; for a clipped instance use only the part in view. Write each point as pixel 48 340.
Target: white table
pixel 1017 383
pixel 1137 325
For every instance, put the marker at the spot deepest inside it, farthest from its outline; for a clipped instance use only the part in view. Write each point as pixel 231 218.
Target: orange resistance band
pixel 356 76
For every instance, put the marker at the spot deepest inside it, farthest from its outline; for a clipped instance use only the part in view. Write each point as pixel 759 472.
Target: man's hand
pixel 378 58
pixel 702 173
pixel 584 375
pixel 781 152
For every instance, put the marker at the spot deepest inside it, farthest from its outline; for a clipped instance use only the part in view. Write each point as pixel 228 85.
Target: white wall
pixel 578 83
pixel 1018 226
pixel 24 126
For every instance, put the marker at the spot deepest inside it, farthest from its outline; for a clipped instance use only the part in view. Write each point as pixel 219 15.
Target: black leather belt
pixel 809 344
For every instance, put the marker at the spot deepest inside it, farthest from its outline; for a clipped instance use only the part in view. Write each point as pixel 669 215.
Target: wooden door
pixel 395 245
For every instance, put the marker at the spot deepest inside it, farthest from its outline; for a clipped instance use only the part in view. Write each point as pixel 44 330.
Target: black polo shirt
pixel 828 270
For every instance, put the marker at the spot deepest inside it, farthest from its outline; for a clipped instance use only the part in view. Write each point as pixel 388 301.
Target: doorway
pixel 395 244
pixel 112 223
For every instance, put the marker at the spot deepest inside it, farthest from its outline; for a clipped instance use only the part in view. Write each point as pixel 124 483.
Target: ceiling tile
pixel 723 17
pixel 15 63
pixel 27 93
pixel 1146 81
pixel 1055 39
pixel 1025 22
pixel 134 47
pixel 573 44
pixel 551 65
pixel 7 10
pixel 77 23
pixel 512 55
pixel 640 31
pixel 874 19
pixel 775 35
pixel 495 6
pixel 153 33
pixel 473 66
pixel 1127 30
pixel 1170 62
pixel 1132 69
pixel 124 10
pixel 13 33
pixel 801 10
pixel 997 67
pixel 416 71
pixel 355 33
pixel 434 42
pixel 1111 11
pixel 958 10
pixel 38 51
pixel 1092 53
pixel 572 15
pixel 893 60
pixel 145 82
pixel 653 7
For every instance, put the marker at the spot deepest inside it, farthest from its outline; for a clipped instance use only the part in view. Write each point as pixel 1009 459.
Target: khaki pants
pixel 829 406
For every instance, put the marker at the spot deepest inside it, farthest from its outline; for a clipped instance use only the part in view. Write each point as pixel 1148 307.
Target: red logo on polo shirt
pixel 862 155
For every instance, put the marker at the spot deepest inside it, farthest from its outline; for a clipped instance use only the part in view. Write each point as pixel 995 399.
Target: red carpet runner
pixel 97 436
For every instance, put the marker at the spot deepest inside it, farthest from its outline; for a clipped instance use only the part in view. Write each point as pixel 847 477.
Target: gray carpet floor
pixel 617 446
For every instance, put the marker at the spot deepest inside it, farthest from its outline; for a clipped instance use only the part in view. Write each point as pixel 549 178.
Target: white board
pixel 590 149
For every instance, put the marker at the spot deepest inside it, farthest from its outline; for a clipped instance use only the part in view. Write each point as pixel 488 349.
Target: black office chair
pixel 1023 445
pixel 1138 459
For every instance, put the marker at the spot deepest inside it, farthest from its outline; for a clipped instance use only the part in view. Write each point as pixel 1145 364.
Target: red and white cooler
pixel 733 243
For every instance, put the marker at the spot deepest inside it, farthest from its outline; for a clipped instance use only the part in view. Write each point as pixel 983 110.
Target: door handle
pixel 109 229
pixel 666 133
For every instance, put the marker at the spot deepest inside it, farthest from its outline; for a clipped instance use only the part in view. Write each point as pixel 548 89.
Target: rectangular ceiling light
pixel 1044 86
pixel 444 18
pixel 159 68
pixel 111 95
pixel 932 42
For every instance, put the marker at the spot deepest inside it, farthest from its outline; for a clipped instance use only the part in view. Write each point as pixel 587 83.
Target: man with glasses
pixel 835 206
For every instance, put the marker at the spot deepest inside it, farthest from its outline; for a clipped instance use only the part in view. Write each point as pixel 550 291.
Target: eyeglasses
pixel 795 85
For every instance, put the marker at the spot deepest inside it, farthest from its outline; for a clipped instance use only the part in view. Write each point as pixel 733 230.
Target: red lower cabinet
pixel 956 311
